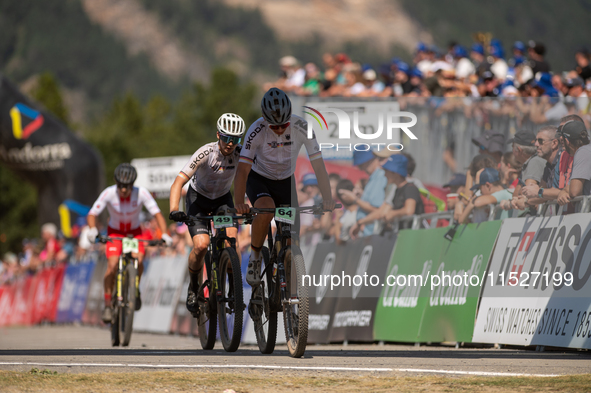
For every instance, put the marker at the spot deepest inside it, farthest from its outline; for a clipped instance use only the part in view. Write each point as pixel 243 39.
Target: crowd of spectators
pixel 483 70
pixel 553 164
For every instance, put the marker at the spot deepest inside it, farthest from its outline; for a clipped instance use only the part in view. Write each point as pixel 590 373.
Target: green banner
pixel 431 290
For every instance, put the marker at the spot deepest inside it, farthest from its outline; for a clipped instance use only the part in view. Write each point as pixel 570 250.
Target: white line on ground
pixel 251 366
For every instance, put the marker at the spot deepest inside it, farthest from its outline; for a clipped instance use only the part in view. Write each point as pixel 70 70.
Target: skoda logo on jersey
pixel 252 136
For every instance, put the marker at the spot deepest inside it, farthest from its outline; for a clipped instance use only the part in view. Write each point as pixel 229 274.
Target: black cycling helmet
pixel 276 107
pixel 125 173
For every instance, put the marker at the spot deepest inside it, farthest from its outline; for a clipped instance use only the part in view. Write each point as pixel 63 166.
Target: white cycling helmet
pixel 231 124
pixel 276 106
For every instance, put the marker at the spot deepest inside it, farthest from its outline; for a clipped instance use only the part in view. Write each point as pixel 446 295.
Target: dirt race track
pixel 87 350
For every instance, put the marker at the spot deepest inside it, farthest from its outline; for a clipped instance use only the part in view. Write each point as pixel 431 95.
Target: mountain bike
pixel 220 293
pixel 126 288
pixel 281 288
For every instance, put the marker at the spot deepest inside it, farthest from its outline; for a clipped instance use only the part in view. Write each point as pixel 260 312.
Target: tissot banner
pixel 538 289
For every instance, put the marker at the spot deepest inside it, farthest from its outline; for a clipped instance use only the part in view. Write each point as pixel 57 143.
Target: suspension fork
pixel 119 293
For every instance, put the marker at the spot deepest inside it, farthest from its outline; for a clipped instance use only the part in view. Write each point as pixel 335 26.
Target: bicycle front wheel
pixel 295 302
pixel 126 312
pixel 230 303
pixel 264 320
pixel 207 322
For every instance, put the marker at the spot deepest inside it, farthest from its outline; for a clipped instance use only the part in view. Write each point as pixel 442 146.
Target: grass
pixel 45 380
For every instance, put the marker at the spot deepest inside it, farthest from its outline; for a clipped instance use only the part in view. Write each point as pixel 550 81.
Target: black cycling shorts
pixel 198 204
pixel 283 192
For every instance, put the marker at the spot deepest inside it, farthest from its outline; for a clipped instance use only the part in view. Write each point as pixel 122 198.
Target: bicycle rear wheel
pixel 230 303
pixel 207 322
pixel 127 311
pixel 295 304
pixel 264 320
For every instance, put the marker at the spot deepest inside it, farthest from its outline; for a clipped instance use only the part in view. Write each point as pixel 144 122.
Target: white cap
pixel 369 75
pixel 288 61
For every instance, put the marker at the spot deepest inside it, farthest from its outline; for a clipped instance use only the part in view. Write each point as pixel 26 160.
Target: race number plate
pixel 130 245
pixel 285 214
pixel 222 222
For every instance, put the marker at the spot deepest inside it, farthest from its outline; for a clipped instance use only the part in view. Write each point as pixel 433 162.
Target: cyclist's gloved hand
pixel 167 239
pixel 92 234
pixel 177 216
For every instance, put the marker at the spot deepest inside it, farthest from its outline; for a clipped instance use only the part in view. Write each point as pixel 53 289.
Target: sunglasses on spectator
pixel 542 141
pixel 279 127
pixel 124 186
pixel 229 138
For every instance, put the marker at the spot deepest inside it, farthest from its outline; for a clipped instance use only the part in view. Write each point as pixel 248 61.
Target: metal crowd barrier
pixel 582 204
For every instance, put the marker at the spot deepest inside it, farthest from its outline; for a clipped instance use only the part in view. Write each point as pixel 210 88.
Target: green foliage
pixel 18 211
pixel 56 35
pixel 562 26
pixel 48 93
pixel 131 130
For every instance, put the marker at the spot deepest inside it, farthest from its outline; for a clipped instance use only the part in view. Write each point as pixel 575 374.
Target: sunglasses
pixel 279 127
pixel 124 186
pixel 542 141
pixel 229 138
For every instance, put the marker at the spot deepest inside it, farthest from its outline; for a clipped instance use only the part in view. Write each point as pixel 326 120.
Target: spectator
pixel 583 69
pixel 407 199
pixel 477 56
pixel 308 223
pixel 456 186
pixel 348 216
pixel 548 147
pixel 50 243
pixel 491 192
pixel 312 84
pixel 374 192
pixel 510 170
pixel 576 142
pixel 499 66
pixel 537 53
pixel 532 169
pixel 576 89
pixel 464 67
pixel 491 143
pixel 479 162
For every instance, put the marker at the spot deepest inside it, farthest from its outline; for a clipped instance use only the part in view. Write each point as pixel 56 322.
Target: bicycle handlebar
pixel 314 209
pixel 105 239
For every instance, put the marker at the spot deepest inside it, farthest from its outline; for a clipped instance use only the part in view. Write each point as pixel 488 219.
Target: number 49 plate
pixel 222 222
pixel 285 214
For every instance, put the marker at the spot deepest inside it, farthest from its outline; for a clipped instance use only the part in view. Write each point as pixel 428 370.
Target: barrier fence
pixel 520 281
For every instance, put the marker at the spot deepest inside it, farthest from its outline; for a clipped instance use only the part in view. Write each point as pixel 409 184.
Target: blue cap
pixel 459 179
pixel 520 46
pixel 496 51
pixel 397 163
pixel 518 60
pixel 309 179
pixel 478 48
pixel 488 175
pixel 402 66
pixel 361 157
pixel 416 72
pixel 421 47
pixel 460 51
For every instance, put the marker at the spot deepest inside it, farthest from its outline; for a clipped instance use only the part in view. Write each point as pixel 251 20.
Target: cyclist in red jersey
pixel 124 203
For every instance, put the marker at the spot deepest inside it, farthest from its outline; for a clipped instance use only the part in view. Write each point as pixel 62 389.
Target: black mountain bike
pixel 220 293
pixel 126 288
pixel 281 287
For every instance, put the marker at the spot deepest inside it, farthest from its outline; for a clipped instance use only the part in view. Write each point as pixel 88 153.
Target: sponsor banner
pixel 42 151
pixel 160 287
pixel 537 289
pixel 72 300
pixel 328 260
pixel 95 301
pixel 157 174
pixel 182 318
pixel 366 264
pixel 46 288
pixel 6 298
pixel 21 312
pixel 428 295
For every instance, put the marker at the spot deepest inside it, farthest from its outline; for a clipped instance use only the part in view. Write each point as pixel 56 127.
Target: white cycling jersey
pixel 210 171
pixel 124 214
pixel 274 156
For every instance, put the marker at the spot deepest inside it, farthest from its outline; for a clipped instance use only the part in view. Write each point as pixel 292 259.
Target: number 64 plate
pixel 285 214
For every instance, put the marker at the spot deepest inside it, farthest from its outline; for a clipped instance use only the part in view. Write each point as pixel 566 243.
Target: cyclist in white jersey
pixel 211 171
pixel 271 147
pixel 124 204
